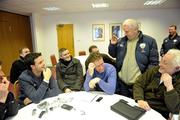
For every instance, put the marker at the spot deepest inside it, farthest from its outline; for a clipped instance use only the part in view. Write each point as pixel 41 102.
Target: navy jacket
pixel 169 43
pixel 145 59
pixel 35 88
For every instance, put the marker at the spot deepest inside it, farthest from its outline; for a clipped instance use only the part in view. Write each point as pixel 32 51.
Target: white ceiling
pixel 26 7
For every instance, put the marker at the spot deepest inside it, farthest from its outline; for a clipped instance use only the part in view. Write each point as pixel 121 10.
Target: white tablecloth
pixel 85 107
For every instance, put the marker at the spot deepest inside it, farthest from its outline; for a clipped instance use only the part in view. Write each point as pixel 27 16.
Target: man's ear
pixel 32 67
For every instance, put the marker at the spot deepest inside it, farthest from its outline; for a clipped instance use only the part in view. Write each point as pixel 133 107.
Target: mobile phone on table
pixel 67 107
pixel 99 99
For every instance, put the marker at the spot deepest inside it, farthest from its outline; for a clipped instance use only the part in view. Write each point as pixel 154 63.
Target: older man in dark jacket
pixel 134 54
pixel 159 87
pixel 69 72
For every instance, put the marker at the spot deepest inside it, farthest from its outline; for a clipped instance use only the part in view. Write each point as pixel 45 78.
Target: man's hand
pixel 27 101
pixel 4 90
pixel 114 40
pixel 67 90
pixel 91 67
pixel 47 74
pixel 167 80
pixel 143 104
pixel 93 82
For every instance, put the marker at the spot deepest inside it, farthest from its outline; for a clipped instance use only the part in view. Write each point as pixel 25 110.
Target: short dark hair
pixel 94 56
pixel 173 26
pixel 92 47
pixel 21 49
pixel 61 50
pixel 0 62
pixel 29 59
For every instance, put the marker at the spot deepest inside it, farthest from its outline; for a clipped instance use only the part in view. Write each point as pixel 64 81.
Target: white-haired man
pixel 134 54
pixel 159 87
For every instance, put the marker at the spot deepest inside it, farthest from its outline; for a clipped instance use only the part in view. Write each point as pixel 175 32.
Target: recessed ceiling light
pixel 51 8
pixel 100 5
pixel 154 2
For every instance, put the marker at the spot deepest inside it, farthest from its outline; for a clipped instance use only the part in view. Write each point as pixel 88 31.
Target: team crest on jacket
pixel 174 40
pixel 142 46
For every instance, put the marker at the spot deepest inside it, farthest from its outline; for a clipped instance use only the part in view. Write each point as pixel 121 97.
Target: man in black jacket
pixel 170 42
pixel 18 66
pixel 8 105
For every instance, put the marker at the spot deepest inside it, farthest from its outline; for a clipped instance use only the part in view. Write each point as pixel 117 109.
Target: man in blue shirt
pixel 100 76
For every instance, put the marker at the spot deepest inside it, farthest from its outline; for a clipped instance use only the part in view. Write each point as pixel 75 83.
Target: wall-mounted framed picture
pixel 115 29
pixel 98 31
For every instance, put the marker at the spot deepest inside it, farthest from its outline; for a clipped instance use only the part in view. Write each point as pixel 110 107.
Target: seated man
pixel 159 87
pixel 106 58
pixel 18 66
pixel 100 76
pixel 69 72
pixel 36 83
pixel 8 105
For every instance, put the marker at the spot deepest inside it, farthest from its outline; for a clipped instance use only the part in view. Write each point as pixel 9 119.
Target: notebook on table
pixel 128 111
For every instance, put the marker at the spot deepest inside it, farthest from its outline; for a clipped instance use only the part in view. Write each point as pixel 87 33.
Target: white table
pixel 85 108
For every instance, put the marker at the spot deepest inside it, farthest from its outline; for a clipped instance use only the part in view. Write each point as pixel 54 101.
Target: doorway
pixel 65 37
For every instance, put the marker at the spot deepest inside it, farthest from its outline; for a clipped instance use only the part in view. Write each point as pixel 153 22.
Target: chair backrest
pixel 81 53
pixel 53 60
pixel 53 70
pixel 16 89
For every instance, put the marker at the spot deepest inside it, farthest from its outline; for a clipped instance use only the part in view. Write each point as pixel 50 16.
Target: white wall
pixel 153 22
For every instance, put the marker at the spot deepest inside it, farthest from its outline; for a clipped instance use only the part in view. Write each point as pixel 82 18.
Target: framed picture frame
pixel 98 31
pixel 115 29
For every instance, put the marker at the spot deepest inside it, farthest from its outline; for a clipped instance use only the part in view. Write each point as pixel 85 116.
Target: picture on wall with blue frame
pixel 98 32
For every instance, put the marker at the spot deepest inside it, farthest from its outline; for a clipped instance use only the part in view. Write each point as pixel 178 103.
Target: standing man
pixel 172 41
pixel 159 87
pixel 69 72
pixel 18 66
pixel 134 54
pixel 100 76
pixel 36 83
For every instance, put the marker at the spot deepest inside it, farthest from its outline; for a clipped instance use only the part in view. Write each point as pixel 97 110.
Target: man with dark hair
pixel 36 83
pixel 100 76
pixel 106 58
pixel 170 42
pixel 8 104
pixel 69 72
pixel 18 66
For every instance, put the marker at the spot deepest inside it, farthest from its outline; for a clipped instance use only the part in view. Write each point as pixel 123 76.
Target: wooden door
pixel 5 46
pixel 65 37
pixel 15 33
